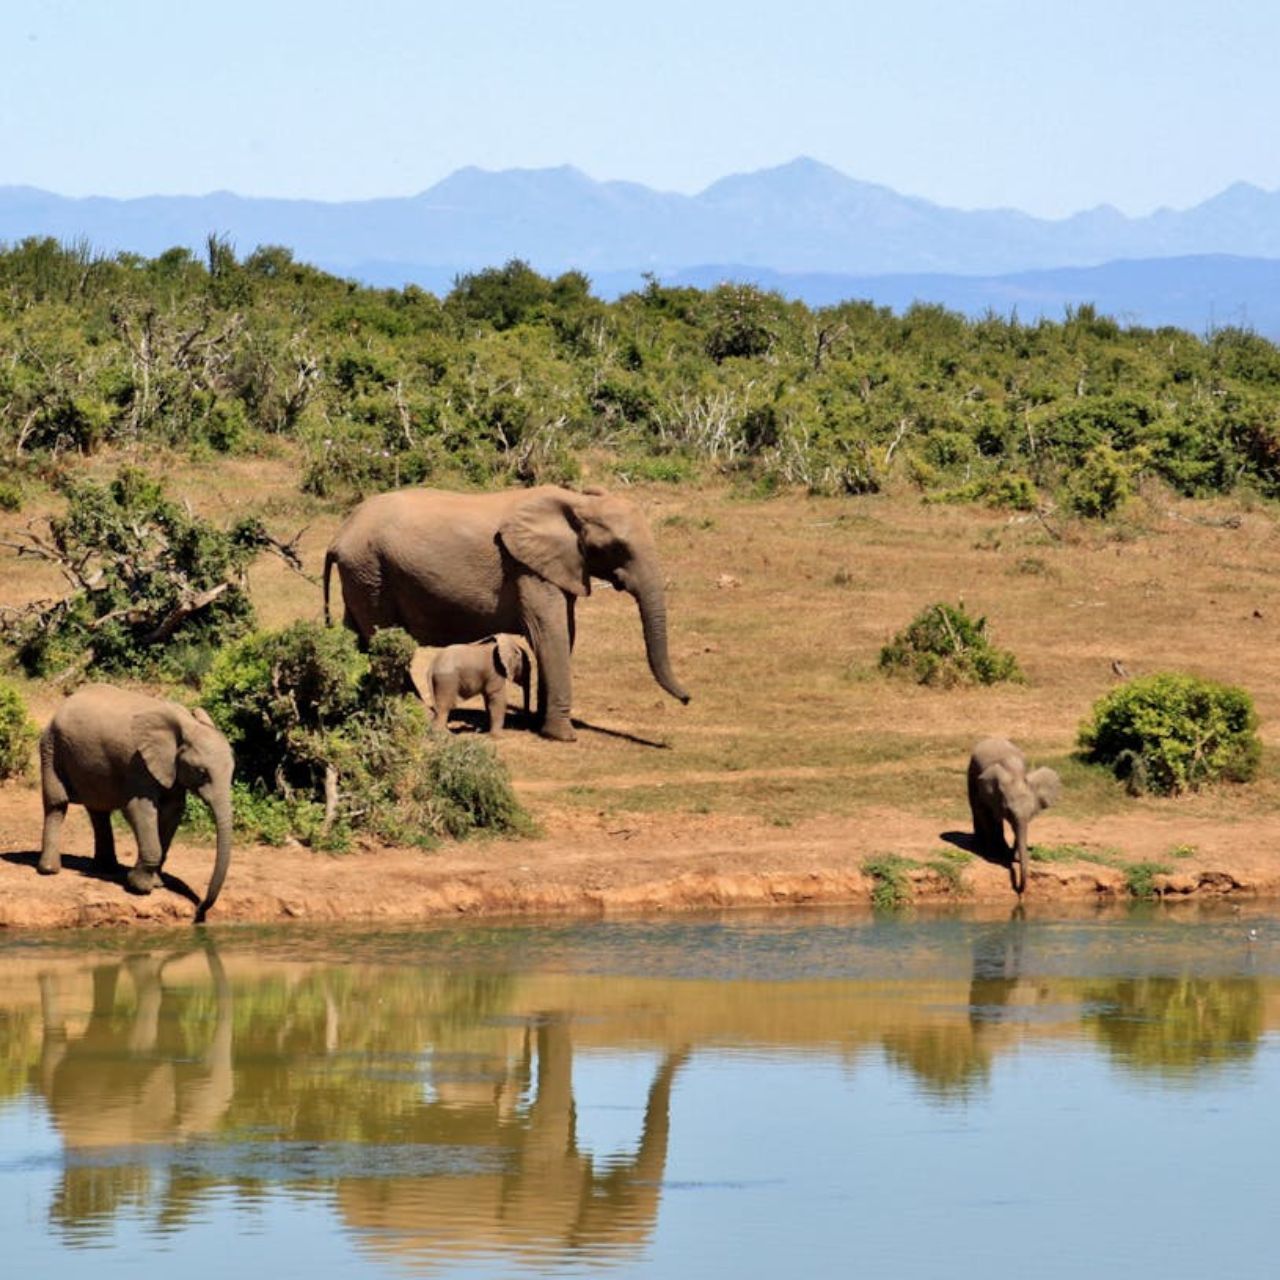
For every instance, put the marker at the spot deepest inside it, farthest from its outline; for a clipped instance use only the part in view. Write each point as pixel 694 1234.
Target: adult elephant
pixel 454 567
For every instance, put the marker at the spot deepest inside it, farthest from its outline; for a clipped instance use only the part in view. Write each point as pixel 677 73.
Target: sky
pixel 1041 105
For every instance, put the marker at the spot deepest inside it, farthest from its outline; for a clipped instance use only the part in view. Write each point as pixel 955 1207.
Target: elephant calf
pixel 1001 790
pixel 109 749
pixel 482 667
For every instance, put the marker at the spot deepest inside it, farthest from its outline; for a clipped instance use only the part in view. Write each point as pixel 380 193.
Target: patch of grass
pixel 950 864
pixel 1182 851
pixel 1108 857
pixel 891 889
pixel 1140 877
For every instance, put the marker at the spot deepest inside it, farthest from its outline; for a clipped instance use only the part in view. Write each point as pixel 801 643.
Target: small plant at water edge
pixel 890 888
pixel 1169 733
pixel 944 646
pixel 1140 878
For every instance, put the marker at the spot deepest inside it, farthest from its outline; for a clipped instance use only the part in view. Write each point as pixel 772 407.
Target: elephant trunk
pixel 221 810
pixel 645 584
pixel 1020 855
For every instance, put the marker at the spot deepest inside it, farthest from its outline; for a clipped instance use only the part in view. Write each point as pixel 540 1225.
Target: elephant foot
pixel 142 880
pixel 558 731
pixel 49 868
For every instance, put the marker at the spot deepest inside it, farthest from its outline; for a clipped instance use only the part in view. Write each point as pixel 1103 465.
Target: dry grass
pixel 788 718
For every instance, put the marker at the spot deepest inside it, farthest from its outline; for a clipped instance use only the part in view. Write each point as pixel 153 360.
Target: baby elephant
pixel 1001 790
pixel 108 749
pixel 485 666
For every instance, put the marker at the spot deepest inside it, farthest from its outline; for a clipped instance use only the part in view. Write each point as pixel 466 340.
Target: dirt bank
pixel 601 865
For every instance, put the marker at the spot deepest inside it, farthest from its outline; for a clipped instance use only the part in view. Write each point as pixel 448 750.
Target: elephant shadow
pixel 621 734
pixel 87 867
pixel 476 720
pixel 970 843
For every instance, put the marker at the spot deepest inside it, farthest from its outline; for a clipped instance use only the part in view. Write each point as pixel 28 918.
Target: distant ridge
pixel 799 217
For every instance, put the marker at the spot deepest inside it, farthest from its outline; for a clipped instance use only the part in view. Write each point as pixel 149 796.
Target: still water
pixel 788 1095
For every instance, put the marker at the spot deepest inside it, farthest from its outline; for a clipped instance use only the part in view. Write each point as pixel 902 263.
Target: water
pixel 792 1094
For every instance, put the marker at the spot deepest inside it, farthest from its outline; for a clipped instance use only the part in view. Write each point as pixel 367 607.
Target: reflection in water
pixel 1176 1025
pixel 434 1110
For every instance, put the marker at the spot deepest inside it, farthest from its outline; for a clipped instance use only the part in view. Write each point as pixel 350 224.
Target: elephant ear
pixel 157 739
pixel 508 657
pixel 499 656
pixel 542 533
pixel 203 716
pixel 1046 785
pixel 996 779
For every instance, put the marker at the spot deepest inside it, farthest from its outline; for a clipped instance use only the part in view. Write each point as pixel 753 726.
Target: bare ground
pixel 796 762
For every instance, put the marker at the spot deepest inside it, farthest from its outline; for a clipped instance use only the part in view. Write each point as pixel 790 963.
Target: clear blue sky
pixel 1045 105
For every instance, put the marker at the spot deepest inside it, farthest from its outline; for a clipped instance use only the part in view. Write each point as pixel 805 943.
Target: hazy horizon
pixel 993 105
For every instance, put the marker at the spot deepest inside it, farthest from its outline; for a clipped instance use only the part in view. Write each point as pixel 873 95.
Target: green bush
pixel 944 646
pixel 1169 733
pixel 330 741
pixel 17 734
pixel 147 577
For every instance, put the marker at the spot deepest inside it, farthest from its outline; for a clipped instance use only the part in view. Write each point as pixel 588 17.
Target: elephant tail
pixel 330 559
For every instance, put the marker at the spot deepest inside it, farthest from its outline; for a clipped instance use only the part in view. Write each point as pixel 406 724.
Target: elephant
pixel 455 567
pixel 109 749
pixel 1001 790
pixel 485 666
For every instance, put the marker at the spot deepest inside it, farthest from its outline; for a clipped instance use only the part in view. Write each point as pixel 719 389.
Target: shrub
pixel 890 883
pixel 1169 733
pixel 330 740
pixel 17 734
pixel 944 646
pixel 146 575
pixel 1100 486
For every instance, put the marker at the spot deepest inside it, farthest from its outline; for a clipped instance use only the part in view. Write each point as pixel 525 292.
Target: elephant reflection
pixel 953 1058
pixel 544 1193
pixel 129 1079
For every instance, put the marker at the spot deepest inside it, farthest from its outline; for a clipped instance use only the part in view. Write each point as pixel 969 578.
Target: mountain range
pixel 803 227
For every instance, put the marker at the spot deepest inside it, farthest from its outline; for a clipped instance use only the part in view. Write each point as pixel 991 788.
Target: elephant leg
pixel 145 821
pixel 104 841
pixel 50 858
pixel 495 701
pixel 547 623
pixel 170 816
pixel 444 696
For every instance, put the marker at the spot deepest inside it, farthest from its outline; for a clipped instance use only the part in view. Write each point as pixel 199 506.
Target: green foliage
pixel 890 884
pixel 329 741
pixel 1140 878
pixel 10 496
pixel 150 579
pixel 1169 733
pixel 17 734
pixel 944 646
pixel 514 374
pixel 1100 485
pixel 949 864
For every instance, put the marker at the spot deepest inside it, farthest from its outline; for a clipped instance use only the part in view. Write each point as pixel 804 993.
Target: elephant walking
pixel 453 567
pixel 1001 790
pixel 109 749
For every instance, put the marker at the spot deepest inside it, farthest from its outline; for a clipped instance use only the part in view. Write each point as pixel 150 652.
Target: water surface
pixel 810 1093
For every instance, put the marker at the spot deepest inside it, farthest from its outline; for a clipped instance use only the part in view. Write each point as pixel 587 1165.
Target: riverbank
pixel 599 865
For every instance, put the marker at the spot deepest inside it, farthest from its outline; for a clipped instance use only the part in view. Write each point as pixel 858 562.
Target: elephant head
pixel 569 538
pixel 185 749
